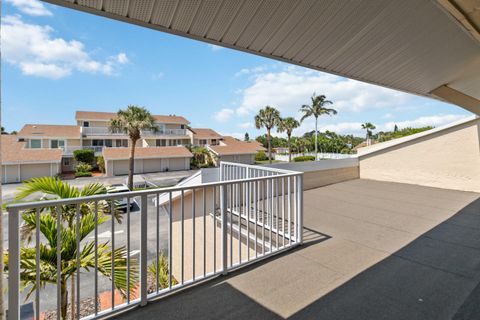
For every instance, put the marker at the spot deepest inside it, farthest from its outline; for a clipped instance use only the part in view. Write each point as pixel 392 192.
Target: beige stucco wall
pixel 94 123
pixel 446 159
pixel 73 142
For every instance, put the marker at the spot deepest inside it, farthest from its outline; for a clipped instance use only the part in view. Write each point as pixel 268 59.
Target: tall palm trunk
pixel 72 295
pixel 316 138
pixel 269 147
pixel 131 164
pixel 63 298
pixel 289 148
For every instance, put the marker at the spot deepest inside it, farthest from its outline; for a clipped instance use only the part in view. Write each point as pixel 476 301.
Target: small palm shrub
pixel 304 158
pixel 101 164
pixel 83 170
pixel 163 274
pixel 261 156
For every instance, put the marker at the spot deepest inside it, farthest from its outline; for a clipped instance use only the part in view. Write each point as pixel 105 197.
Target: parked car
pixel 120 188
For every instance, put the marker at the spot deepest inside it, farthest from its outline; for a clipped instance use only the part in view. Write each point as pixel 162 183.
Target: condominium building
pixel 47 150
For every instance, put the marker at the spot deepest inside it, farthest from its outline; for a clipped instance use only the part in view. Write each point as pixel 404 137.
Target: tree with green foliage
pixel 84 155
pixel 247 137
pixel 133 120
pixel 52 189
pixel 317 109
pixel 267 118
pixel 288 125
pixel 369 127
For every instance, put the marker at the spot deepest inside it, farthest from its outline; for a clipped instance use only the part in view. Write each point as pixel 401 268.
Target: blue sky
pixel 56 61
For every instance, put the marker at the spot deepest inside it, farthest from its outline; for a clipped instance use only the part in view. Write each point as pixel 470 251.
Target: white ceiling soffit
pixel 414 46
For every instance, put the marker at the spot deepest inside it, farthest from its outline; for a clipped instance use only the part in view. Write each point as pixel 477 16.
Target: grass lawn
pixel 266 161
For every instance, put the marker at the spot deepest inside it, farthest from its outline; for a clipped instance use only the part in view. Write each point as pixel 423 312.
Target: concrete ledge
pixel 324 172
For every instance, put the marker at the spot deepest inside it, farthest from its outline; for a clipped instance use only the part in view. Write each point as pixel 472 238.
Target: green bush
pixel 83 167
pixel 101 164
pixel 261 156
pixel 84 155
pixel 304 158
pixel 82 174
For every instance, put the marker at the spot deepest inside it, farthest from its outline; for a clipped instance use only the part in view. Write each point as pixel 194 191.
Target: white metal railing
pixel 161 132
pixel 101 131
pixel 70 149
pixel 321 155
pixel 202 230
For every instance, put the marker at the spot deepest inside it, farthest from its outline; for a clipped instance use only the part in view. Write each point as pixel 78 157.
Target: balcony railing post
pixel 143 249
pixel 223 215
pixel 13 265
pixel 300 209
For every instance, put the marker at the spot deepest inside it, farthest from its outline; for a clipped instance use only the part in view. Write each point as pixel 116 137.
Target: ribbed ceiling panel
pixel 141 9
pixel 223 19
pixel 96 4
pixel 119 7
pixel 163 13
pixel 284 30
pixel 185 14
pixel 409 45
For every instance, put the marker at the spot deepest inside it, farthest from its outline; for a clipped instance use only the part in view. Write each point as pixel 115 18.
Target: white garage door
pixel 28 171
pixel 120 167
pixel 176 164
pixel 10 174
pixel 152 165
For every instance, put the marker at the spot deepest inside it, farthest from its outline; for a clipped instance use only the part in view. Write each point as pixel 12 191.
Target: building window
pixel 55 144
pixel 121 143
pixel 182 126
pixel 35 143
pixel 86 124
pixel 203 142
pixel 97 143
pixel 66 162
pixel 214 142
pixel 160 142
pixel 108 143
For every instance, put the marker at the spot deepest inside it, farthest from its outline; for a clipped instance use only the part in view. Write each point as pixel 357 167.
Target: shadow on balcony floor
pixel 394 251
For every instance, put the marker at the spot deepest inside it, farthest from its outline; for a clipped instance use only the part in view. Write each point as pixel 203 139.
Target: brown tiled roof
pixel 203 133
pixel 50 130
pixel 14 151
pixel 231 146
pixel 151 152
pixel 93 115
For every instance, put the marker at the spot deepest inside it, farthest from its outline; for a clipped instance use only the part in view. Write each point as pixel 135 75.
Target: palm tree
pixel 369 127
pixel 268 118
pixel 132 121
pixel 55 189
pixel 316 109
pixel 287 125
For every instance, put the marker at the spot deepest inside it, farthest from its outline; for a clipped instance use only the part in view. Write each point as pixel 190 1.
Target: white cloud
pixel 51 71
pixel 157 76
pixel 246 125
pixel 36 52
pixel 30 7
pixel 290 88
pixel 224 115
pixel 387 116
pixel 356 127
pixel 434 121
pixel 237 135
pixel 215 47
pixel 343 127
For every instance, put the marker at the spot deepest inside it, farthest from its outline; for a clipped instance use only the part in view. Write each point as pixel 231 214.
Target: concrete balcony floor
pixel 373 250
